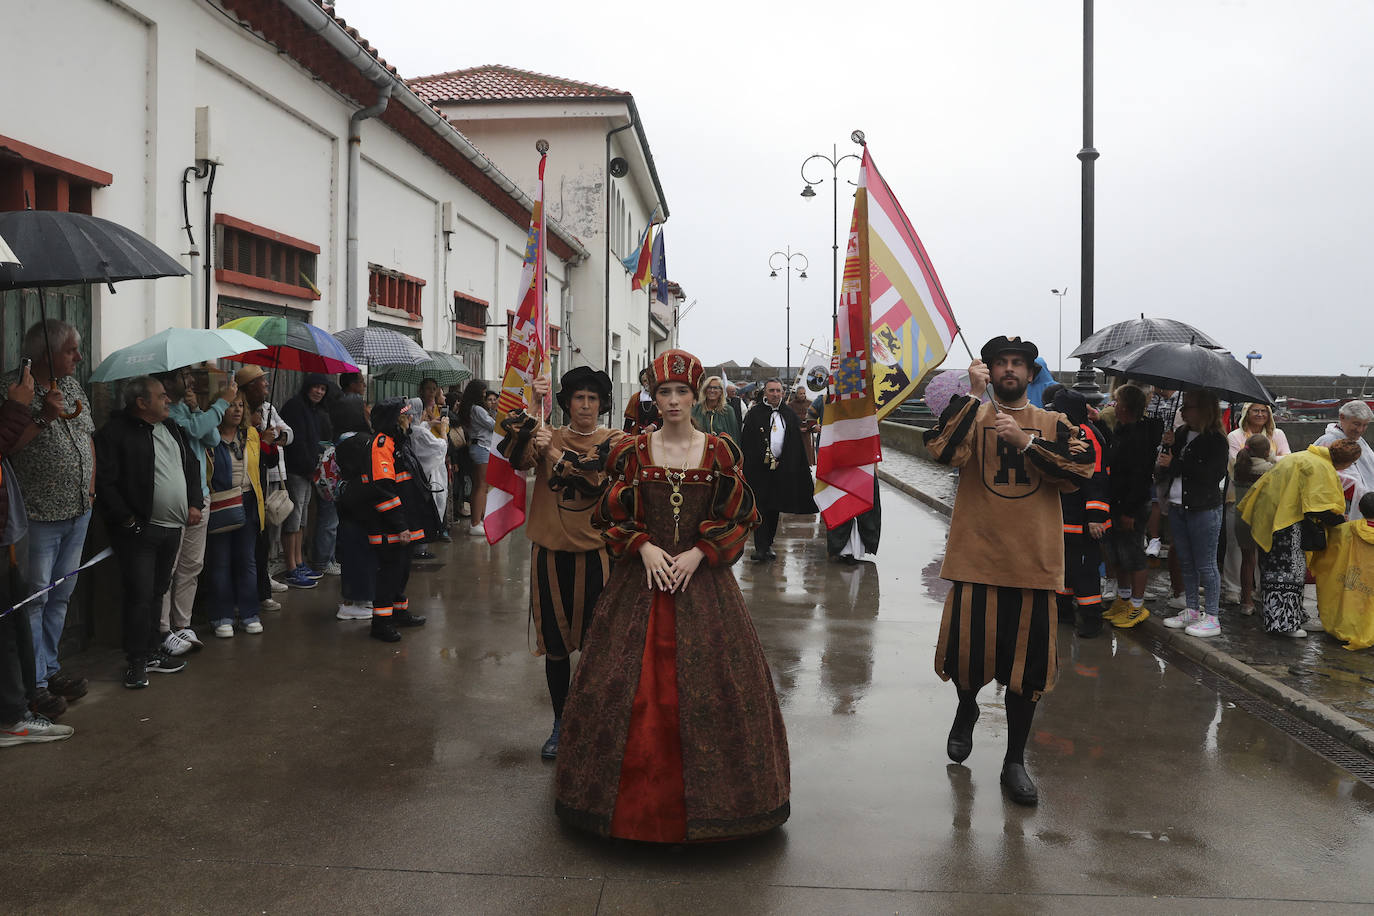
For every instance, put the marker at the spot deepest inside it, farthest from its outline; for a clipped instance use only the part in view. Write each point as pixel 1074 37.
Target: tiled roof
pixel 493 82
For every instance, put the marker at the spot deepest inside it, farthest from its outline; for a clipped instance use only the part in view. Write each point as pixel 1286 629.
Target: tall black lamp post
pixel 786 266
pixel 808 193
pixel 1086 381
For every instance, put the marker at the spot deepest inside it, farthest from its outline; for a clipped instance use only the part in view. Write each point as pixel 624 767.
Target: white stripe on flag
pixel 848 430
pixel 881 226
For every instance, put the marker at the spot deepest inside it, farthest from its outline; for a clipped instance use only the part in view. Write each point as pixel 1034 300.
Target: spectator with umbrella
pixel 309 422
pixel 55 463
pixel 1193 467
pixel 273 433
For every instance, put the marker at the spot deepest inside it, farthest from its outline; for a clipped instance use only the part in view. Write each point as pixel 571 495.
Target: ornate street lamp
pixel 1061 293
pixel 1086 382
pixel 807 193
pixel 786 265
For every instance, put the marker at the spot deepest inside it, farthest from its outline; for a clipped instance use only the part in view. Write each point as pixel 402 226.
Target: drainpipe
pixel 354 315
pixel 606 165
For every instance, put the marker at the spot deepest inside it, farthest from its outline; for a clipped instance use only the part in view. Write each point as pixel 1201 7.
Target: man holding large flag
pixel 526 359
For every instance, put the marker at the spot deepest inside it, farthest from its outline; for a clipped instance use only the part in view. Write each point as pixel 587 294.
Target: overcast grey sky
pixel 1234 188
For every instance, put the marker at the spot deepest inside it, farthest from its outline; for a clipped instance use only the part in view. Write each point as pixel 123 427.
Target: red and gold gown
pixel 672 731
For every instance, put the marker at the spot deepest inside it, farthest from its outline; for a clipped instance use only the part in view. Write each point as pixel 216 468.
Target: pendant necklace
pixel 676 478
pixel 1000 406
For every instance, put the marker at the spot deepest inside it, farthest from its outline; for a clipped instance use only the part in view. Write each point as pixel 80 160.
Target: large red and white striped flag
pixel 526 359
pixel 850 448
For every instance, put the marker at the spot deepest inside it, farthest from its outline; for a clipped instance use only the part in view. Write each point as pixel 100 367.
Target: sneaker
pixel 1120 607
pixel 225 631
pixel 1207 625
pixel 163 663
pixel 31 729
pixel 353 612
pixel 175 644
pixel 270 604
pixel 1247 610
pixel 136 677
pixel 1299 633
pixel 253 627
pixel 277 586
pixel 47 704
pixel 67 686
pixel 1134 616
pixel 1152 548
pixel 1177 603
pixel 1183 620
pixel 190 636
pixel 298 580
pixel 333 569
pixel 308 572
pixel 478 530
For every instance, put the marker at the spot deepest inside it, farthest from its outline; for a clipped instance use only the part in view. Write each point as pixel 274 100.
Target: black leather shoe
pixel 550 749
pixel 771 554
pixel 1089 623
pixel 423 555
pixel 1018 784
pixel 384 631
pixel 407 619
pixel 960 743
pixel 759 556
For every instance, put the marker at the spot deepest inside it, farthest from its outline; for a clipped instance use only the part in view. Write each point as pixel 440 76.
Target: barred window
pixel 392 290
pixel 262 258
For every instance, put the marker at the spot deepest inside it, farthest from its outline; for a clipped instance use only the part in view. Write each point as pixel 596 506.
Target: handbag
pixel 1312 532
pixel 457 438
pixel 278 505
pixel 226 511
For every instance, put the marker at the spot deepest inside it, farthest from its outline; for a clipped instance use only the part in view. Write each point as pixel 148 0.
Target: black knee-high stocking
pixel 968 707
pixel 1020 712
pixel 558 672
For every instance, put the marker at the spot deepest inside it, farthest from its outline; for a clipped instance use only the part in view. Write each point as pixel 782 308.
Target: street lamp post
pixel 1061 293
pixel 786 266
pixel 807 194
pixel 1086 382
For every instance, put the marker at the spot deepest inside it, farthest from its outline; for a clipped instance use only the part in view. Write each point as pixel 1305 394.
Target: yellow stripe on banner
pixel 920 314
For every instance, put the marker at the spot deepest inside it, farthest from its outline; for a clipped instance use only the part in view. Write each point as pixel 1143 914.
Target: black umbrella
pixel 1137 331
pixel 1188 367
pixel 59 248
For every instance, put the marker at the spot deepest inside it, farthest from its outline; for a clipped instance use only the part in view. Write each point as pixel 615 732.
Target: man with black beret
pixel 1005 553
pixel 568 560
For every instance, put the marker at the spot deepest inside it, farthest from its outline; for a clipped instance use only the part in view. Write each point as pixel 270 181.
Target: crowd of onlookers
pixel 192 485
pixel 1214 489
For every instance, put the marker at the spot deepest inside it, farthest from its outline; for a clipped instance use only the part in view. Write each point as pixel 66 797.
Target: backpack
pixel 352 458
pixel 328 477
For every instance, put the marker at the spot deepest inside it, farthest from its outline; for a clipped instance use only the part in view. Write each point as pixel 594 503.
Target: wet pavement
pixel 312 769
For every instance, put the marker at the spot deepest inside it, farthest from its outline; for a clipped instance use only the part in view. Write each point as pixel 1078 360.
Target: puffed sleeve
pixel 618 512
pixel 722 534
pixel 951 440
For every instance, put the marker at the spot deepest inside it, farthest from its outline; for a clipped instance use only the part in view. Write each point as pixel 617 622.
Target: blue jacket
pixel 202 431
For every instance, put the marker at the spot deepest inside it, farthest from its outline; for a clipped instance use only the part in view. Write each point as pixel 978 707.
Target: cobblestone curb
pixel 1332 722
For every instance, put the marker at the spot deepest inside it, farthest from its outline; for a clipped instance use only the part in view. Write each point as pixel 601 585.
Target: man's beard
pixel 1010 388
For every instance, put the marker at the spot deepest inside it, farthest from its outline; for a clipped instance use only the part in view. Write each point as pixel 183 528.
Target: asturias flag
pixel 850 448
pixel 526 359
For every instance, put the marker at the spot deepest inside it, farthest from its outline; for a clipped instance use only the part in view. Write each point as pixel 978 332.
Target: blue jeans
pixel 326 532
pixel 1195 539
pixel 231 567
pixel 54 550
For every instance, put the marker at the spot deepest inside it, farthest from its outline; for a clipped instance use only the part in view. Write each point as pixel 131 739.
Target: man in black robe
pixel 775 465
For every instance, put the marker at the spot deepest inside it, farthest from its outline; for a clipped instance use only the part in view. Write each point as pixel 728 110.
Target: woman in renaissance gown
pixel 672 732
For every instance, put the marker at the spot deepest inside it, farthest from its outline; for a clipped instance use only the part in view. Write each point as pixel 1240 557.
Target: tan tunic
pixel 566 489
pixel 1007 522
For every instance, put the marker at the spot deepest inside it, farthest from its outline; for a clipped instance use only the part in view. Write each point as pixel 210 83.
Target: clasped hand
pixel 669 573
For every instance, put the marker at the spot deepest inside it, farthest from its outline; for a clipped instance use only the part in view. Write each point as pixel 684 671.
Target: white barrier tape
pixel 104 554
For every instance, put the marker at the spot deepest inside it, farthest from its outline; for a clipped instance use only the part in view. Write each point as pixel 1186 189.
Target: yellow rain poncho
pixel 1345 583
pixel 1300 483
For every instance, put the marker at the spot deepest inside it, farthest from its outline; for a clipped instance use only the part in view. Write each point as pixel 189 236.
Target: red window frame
pixel 394 291
pixel 247 254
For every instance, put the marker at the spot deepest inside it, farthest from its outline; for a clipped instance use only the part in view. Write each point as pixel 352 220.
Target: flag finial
pixel 542 146
pixel 858 137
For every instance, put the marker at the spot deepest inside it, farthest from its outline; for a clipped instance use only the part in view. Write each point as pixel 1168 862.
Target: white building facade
pixel 221 131
pixel 601 183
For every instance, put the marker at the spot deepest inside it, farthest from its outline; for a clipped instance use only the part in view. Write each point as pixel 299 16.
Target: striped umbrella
pixel 380 347
pixel 444 368
pixel 291 344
